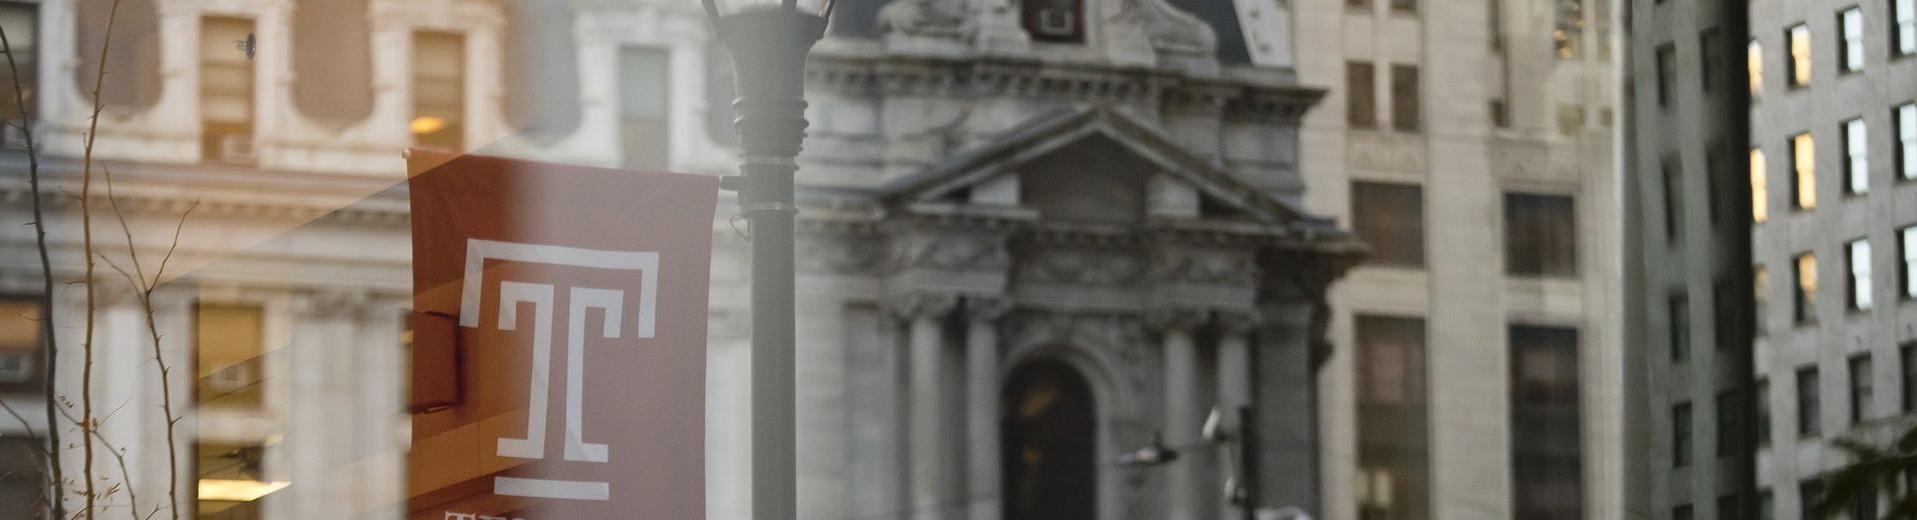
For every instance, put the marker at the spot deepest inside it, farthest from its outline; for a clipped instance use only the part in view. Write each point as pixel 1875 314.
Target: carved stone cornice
pixel 1170 318
pixel 391 216
pixel 1174 263
pixel 1086 266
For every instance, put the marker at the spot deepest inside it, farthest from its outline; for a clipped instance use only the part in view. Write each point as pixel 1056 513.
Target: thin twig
pixel 57 507
pixel 145 289
pixel 86 245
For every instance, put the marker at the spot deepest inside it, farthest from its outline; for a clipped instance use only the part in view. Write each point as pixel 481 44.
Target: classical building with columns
pixel 1035 237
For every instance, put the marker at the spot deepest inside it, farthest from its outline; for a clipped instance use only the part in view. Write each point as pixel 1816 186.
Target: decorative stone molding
pixel 1172 318
pixel 920 304
pixel 1101 267
pixel 923 18
pixel 1176 263
pixel 1237 322
pixel 987 308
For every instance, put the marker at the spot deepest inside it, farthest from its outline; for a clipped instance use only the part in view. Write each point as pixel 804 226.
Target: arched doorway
pixel 1050 439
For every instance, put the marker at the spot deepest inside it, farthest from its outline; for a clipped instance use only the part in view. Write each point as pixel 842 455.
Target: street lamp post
pixel 769 40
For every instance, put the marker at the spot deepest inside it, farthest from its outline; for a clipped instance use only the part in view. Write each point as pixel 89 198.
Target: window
pixel 1055 21
pixel 1681 435
pixel 1808 493
pixel 1797 66
pixel 1856 157
pixel 1850 23
pixel 1804 170
pixel 1715 183
pixel 1805 303
pixel 1724 314
pixel 1570 119
pixel 1673 201
pixel 1763 412
pixel 229 341
pixel 226 466
pixel 1682 512
pixel 1361 103
pixel 1404 6
pixel 1357 4
pixel 1568 32
pixel 21 21
pixel 1908 240
pixel 1727 506
pixel 1861 389
pixel 1546 454
pixel 1754 64
pixel 1495 15
pixel 20 341
pixel 1500 115
pixel 1766 506
pixel 1727 424
pixel 226 91
pixel 1907 375
pixel 1393 417
pixel 642 105
pixel 1678 309
pixel 1907 140
pixel 439 91
pixel 1807 409
pixel 1404 98
pixel 1540 235
pixel 1863 504
pixel 1760 191
pixel 1761 285
pixel 1859 252
pixel 1903 27
pixel 1710 45
pixel 1666 73
pixel 1390 218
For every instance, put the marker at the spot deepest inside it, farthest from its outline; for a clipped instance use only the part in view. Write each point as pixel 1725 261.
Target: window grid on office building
pixel 1906 116
pixel 1862 390
pixel 1856 157
pixel 1807 404
pixel 1859 274
pixel 1850 24
pixel 1804 171
pixel 1797 60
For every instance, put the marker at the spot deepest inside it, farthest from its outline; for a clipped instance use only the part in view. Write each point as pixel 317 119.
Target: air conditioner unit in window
pixel 237 148
pixel 16 367
pixel 231 379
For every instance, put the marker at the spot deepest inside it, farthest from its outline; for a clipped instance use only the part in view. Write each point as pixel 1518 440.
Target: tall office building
pixel 1469 143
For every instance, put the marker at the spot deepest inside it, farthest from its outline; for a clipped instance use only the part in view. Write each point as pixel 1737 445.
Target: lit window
pixel 1851 53
pixel 229 480
pixel 1907 140
pixel 1754 61
pixel 1856 157
pixel 1569 29
pixel 1904 25
pixel 1859 251
pixel 439 91
pixel 1805 302
pixel 226 90
pixel 1804 170
pixel 1760 191
pixel 20 325
pixel 1798 64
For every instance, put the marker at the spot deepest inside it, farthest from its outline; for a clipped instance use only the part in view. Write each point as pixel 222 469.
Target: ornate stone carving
pixel 840 254
pixel 924 18
pixel 1081 266
pixel 987 308
pixel 1179 264
pixel 1174 318
pixel 943 249
pixel 920 304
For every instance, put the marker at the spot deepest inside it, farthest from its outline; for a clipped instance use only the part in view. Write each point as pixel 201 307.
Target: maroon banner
pixel 559 339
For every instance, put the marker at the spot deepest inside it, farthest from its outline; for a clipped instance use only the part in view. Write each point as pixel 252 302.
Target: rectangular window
pixel 439 91
pixel 1908 242
pixel 1907 375
pixel 1710 45
pixel 1540 235
pixel 1679 313
pixel 21 361
pixel 1568 32
pixel 226 91
pixel 1393 416
pixel 1906 117
pixel 1808 493
pixel 1807 405
pixel 1859 252
pixel 1681 435
pixel 230 466
pixel 1724 314
pixel 1727 507
pixel 1761 286
pixel 1361 101
pixel 1754 65
pixel 1500 115
pixel 229 340
pixel 1570 119
pixel 1666 73
pixel 1863 504
pixel 1762 405
pixel 1390 218
pixel 1404 6
pixel 1805 303
pixel 1405 108
pixel 1903 27
pixel 1862 391
pixel 1673 201
pixel 1727 424
pixel 1760 190
pixel 1358 3
pixel 1850 24
pixel 1856 157
pixel 1716 183
pixel 21 21
pixel 1797 66
pixel 1766 506
pixel 642 108
pixel 1804 170
pixel 1546 450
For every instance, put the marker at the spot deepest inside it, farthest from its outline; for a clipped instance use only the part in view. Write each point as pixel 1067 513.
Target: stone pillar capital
pixel 1181 319
pixel 1239 322
pixel 986 309
pixel 920 304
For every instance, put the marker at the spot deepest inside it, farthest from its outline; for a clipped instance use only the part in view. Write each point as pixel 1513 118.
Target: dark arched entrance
pixel 1050 443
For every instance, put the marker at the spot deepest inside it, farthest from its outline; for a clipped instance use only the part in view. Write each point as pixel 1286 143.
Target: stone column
pixel 981 403
pixel 1234 393
pixel 1183 415
pixel 925 315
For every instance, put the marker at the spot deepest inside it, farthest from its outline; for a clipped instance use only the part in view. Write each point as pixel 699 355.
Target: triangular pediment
pixel 1109 149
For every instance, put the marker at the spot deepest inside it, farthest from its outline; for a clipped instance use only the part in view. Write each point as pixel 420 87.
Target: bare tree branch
pixel 57 507
pixel 88 425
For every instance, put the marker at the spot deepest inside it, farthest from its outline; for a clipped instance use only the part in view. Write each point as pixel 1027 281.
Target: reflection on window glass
pixel 1798 63
pixel 21 21
pixel 1850 24
pixel 439 90
pixel 1540 235
pixel 228 342
pixel 226 90
pixel 1806 300
pixel 20 341
pixel 1859 251
pixel 1546 455
pixel 1856 157
pixel 22 468
pixel 1390 219
pixel 1804 170
pixel 231 480
pixel 1393 418
pixel 1903 27
pixel 1907 140
pixel 1754 63
pixel 1908 239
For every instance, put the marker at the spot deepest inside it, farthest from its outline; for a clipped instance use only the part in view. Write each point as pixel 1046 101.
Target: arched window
pixel 1050 444
pixel 1061 21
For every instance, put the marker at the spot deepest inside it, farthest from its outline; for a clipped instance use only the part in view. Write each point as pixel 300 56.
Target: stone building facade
pixel 1034 238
